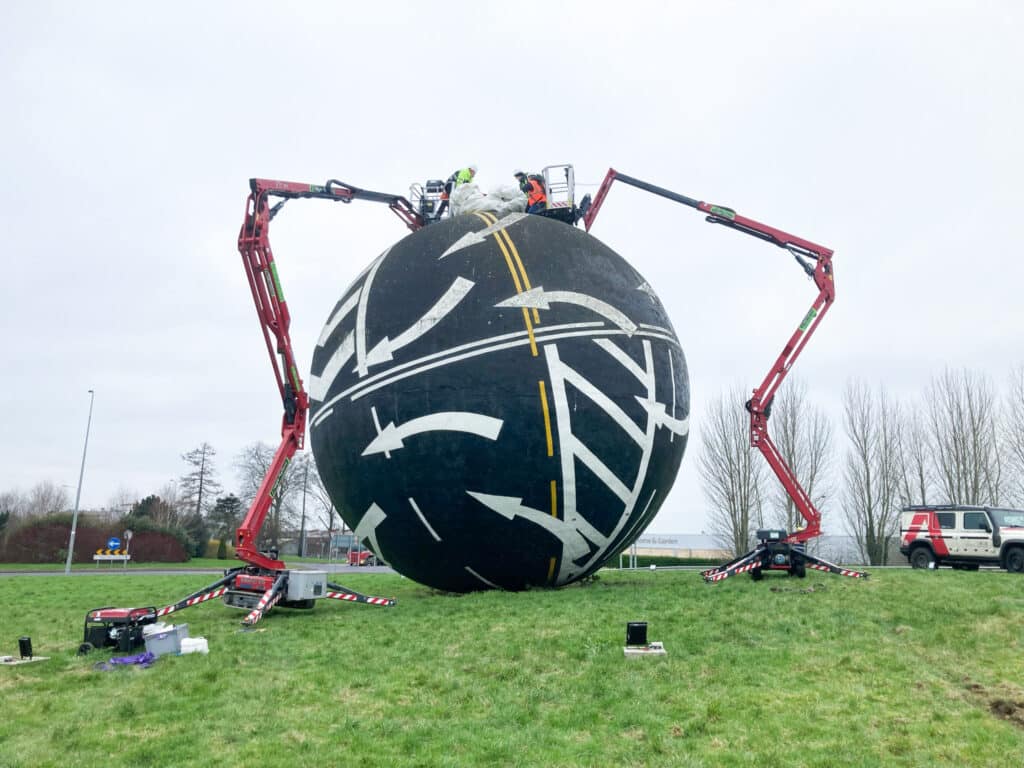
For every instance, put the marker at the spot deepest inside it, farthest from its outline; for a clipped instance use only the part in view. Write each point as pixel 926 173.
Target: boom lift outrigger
pixel 776 549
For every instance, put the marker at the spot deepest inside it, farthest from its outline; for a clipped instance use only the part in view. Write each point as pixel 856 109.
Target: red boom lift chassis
pixel 265 581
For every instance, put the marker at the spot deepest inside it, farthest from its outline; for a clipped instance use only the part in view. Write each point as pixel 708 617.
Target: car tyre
pixel 1015 560
pixel 922 557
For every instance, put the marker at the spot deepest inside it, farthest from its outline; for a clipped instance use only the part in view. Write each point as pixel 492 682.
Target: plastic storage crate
pixel 161 643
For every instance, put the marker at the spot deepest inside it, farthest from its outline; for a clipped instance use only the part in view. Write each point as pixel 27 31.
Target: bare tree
pixel 1013 435
pixel 871 495
pixel 168 512
pixel 198 486
pixel 324 513
pixel 803 435
pixel 122 500
pixel 916 460
pixel 323 506
pixel 45 498
pixel 252 465
pixel 13 503
pixel 733 474
pixel 963 413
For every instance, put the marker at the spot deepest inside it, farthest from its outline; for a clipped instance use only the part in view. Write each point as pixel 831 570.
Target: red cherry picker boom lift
pixel 776 550
pixel 264 581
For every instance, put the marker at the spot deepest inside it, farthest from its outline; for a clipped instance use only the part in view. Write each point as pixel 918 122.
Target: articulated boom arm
pixel 272 309
pixel 760 403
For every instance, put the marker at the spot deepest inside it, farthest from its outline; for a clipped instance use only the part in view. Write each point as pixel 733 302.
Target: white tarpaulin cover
pixel 500 201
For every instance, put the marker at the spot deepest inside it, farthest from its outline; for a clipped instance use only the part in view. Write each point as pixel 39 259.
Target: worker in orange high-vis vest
pixel 533 188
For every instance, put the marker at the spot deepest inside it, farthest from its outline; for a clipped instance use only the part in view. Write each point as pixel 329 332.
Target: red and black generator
pixel 119 628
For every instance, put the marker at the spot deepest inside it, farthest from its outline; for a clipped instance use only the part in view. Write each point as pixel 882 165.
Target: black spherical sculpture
pixel 498 404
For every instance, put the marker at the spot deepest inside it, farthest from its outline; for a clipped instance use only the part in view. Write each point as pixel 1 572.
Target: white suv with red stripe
pixel 963 537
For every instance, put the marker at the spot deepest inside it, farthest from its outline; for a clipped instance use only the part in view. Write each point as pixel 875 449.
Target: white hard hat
pixel 472 167
pixel 518 172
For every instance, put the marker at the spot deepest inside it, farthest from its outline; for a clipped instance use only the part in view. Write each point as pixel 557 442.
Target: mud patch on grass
pixel 1003 703
pixel 1011 711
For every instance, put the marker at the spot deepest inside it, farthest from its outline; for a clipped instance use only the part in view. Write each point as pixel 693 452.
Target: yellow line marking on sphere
pixel 522 269
pixel 554 498
pixel 515 280
pixel 551 570
pixel 547 417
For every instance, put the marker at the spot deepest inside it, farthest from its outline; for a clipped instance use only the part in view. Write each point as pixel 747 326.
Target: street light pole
pixel 302 531
pixel 78 494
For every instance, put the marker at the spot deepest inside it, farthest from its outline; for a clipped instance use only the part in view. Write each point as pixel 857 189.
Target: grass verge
pixel 909 668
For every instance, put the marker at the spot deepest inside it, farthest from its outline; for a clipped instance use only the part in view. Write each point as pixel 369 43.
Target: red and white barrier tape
pixel 354 598
pixel 264 605
pixel 194 601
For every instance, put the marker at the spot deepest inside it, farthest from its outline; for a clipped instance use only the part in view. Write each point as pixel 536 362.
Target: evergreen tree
pixel 154 508
pixel 197 534
pixel 199 484
pixel 225 516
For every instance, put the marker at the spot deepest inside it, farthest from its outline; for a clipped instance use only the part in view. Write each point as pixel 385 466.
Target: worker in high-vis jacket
pixel 533 187
pixel 457 179
pixel 463 176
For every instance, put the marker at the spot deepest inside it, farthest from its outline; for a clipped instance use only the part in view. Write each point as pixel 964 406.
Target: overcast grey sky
pixel 890 132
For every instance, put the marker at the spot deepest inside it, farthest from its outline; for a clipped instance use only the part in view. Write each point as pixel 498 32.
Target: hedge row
pixel 45 540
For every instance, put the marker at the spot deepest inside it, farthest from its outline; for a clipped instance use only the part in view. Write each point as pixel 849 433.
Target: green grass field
pixel 909 668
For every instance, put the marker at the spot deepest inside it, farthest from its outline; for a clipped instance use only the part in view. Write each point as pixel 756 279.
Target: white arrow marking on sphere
pixel 391 438
pixel 574 545
pixel 475 238
pixel 419 514
pixel 337 317
pixel 672 378
pixel 319 385
pixel 473 573
pixel 376 426
pixel 541 299
pixel 386 347
pixel 658 414
pixel 623 359
pixel 646 288
pixel 367 527
pixel 364 297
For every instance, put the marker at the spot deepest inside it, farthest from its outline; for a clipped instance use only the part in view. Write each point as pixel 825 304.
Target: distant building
pixel 683 545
